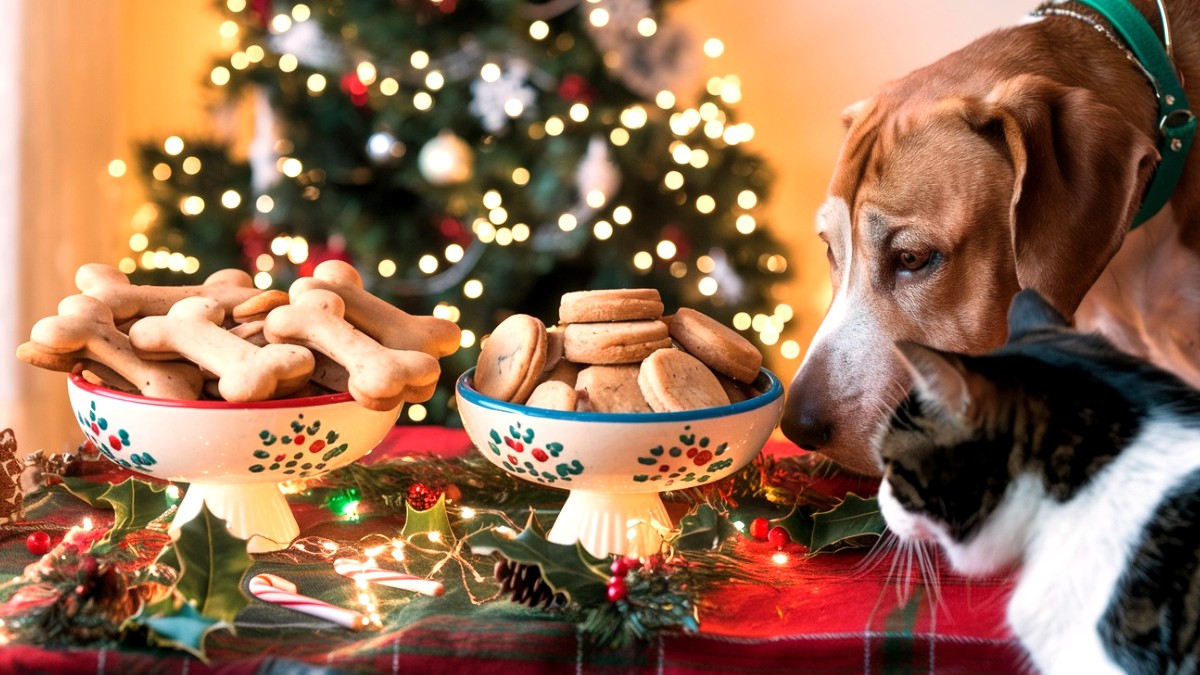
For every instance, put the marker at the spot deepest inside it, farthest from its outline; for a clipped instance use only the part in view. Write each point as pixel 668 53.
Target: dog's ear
pixel 1080 171
pixel 855 111
pixel 1029 312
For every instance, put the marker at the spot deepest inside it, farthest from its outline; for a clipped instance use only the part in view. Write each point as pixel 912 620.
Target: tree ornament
pixel 523 583
pixel 597 172
pixel 422 497
pixel 38 543
pixel 759 527
pixel 576 89
pixel 383 148
pixel 12 487
pixel 445 160
pixel 506 97
pixel 779 537
pixel 355 87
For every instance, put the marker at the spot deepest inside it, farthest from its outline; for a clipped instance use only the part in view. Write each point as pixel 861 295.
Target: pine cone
pixel 524 583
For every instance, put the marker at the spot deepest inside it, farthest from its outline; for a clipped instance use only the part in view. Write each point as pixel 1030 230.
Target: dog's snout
pixel 807 419
pixel 807 425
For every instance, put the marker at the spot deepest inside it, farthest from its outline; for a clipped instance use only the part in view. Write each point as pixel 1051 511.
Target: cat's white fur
pixel 1071 555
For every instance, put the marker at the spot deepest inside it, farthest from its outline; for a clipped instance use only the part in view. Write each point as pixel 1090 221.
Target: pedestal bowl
pixel 231 455
pixel 616 464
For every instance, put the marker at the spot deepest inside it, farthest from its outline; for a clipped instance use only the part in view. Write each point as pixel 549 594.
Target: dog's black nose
pixel 806 416
pixel 805 424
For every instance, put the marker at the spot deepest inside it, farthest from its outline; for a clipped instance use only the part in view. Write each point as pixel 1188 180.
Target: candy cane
pixel 280 591
pixel 408 582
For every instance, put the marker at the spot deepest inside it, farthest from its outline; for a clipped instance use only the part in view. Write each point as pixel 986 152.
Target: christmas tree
pixel 473 159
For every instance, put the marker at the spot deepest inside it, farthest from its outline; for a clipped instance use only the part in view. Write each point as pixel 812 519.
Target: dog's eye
pixel 914 260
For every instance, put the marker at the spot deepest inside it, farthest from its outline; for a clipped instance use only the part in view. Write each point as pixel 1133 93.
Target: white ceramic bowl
pixel 616 464
pixel 232 455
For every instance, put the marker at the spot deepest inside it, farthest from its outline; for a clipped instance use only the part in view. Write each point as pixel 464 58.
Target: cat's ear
pixel 1029 312
pixel 938 377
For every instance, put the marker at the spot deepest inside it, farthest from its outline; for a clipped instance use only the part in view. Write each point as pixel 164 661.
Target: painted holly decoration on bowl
pixel 620 452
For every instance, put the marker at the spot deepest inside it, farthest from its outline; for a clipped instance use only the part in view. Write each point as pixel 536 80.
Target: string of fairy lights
pixel 448 160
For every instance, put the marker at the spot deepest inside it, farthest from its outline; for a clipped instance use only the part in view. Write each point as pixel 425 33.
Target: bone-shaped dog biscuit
pixel 84 328
pixel 192 327
pixel 379 378
pixel 94 372
pixel 391 326
pixel 229 287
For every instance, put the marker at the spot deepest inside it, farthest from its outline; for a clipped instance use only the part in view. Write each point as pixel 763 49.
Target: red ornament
pixel 355 88
pixel 759 528
pixel 576 89
pixel 422 497
pixel 38 543
pixel 616 589
pixel 778 537
pixel 319 253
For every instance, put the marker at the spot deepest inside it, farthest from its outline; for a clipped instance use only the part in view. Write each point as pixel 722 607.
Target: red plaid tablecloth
pixel 834 613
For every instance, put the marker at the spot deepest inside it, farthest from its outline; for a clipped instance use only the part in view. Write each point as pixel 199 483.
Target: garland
pixel 131 584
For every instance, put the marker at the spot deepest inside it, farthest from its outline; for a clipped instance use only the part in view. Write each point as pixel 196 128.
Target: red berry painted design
pixel 540 455
pixel 114 442
pixel 691 452
pixel 317 446
pixel 299 440
pixel 703 457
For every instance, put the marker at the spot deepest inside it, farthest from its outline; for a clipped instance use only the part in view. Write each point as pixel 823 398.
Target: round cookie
pixel 672 380
pixel 623 304
pixel 553 395
pixel 511 359
pixel 718 346
pixel 616 342
pixel 611 389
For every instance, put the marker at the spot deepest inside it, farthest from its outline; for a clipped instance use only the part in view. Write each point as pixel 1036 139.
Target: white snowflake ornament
pixel 597 172
pixel 507 97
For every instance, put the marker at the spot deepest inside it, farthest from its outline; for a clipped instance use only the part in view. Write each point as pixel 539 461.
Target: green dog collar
pixel 1176 121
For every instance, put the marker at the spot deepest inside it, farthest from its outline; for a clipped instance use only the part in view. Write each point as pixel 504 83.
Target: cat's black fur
pixel 1060 407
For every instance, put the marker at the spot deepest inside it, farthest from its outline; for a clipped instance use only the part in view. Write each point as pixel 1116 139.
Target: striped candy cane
pixel 356 570
pixel 279 591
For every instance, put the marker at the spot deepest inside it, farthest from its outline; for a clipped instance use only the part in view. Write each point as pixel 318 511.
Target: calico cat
pixel 1077 464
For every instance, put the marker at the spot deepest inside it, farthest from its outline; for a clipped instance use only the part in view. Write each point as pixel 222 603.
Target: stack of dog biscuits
pixel 614 352
pixel 227 340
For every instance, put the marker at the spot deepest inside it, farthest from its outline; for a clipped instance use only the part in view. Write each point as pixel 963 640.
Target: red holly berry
pixel 778 537
pixel 616 589
pixel 38 543
pixel 622 566
pixel 422 497
pixel 759 528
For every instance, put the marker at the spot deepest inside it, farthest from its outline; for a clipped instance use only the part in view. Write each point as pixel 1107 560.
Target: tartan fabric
pixel 834 613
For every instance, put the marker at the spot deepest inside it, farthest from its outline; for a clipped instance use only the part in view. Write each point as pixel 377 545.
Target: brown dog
pixel 1016 162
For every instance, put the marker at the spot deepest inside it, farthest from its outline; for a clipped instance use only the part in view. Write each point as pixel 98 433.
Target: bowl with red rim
pixel 616 464
pixel 232 456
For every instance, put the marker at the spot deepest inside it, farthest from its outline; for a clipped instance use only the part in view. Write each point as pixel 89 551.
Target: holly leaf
pixel 567 568
pixel 89 491
pixel 212 563
pixel 703 528
pixel 433 519
pixel 134 503
pixel 185 629
pixel 854 522
pixel 798 523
